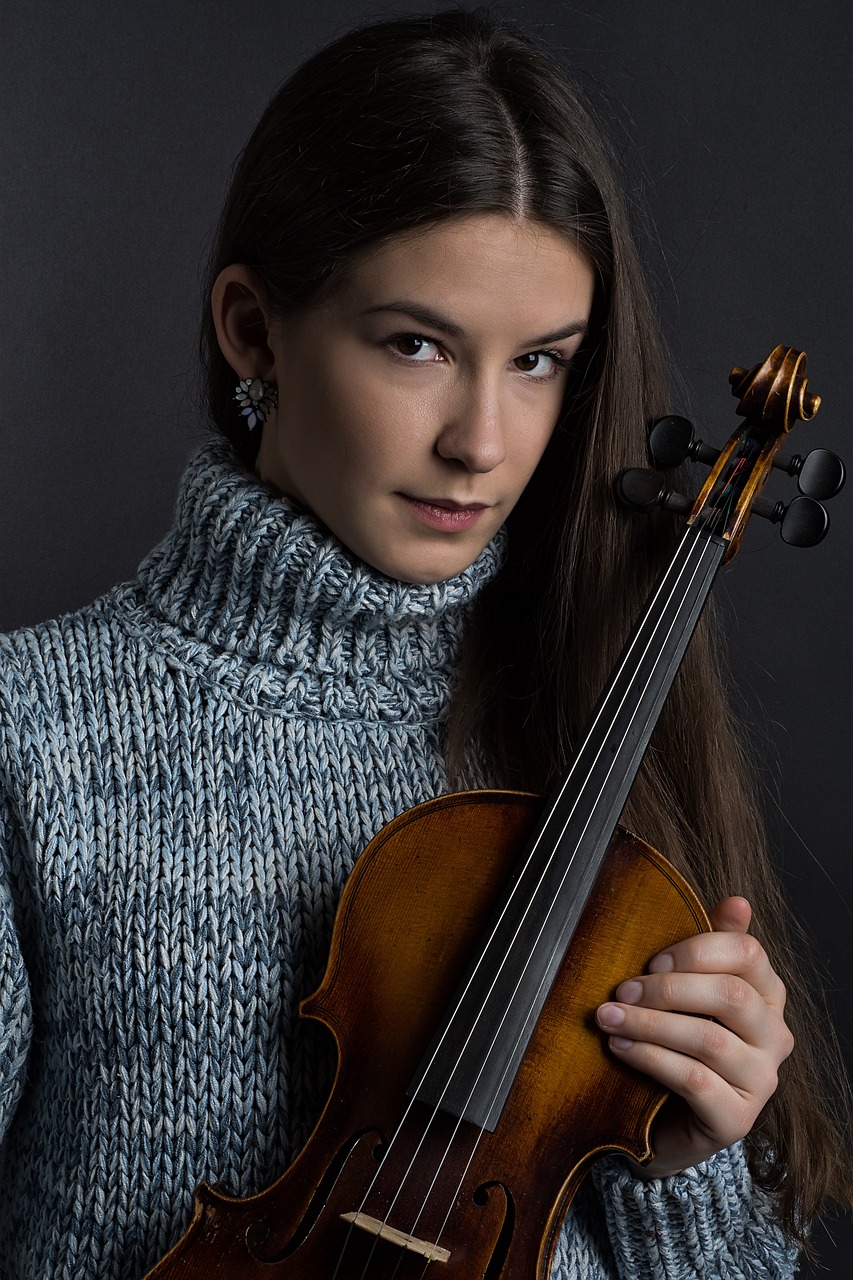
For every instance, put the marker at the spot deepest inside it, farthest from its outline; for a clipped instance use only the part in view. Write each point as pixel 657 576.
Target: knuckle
pixel 667 991
pixel 697 953
pixel 735 993
pixel 697 1079
pixel 787 1041
pixel 713 1039
pixel 652 1027
pixel 751 951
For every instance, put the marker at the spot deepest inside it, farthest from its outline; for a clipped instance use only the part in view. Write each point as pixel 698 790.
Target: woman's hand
pixel 722 1072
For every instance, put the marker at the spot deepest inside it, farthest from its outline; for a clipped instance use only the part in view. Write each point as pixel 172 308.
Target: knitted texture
pixel 189 767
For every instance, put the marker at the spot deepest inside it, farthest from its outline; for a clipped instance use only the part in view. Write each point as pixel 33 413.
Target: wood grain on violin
pixel 413 909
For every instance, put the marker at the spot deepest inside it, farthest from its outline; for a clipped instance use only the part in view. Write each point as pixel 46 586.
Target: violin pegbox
pixel 772 396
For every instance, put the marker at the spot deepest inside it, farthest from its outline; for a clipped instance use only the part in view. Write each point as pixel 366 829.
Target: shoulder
pixel 47 674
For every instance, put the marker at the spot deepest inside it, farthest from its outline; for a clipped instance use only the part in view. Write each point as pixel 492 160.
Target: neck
pixel 252 587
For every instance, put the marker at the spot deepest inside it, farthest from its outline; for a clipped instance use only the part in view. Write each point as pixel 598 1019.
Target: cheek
pixel 532 448
pixel 372 427
pixel 334 418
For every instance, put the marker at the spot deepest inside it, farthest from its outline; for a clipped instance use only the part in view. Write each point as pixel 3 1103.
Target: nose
pixel 473 431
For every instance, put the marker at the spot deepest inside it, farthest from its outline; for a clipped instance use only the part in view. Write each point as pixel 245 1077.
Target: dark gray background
pixel 119 124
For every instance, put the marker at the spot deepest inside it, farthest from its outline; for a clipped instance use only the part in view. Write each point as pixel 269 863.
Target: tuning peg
pixel 643 489
pixel 803 522
pixel 820 474
pixel 671 440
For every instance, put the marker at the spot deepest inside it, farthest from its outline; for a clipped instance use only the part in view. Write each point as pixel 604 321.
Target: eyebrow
pixel 429 317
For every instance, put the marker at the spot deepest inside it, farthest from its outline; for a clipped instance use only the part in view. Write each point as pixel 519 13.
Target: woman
pixel 396 569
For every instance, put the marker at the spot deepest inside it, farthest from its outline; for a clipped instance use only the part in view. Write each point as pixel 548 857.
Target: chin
pixel 417 559
pixel 426 571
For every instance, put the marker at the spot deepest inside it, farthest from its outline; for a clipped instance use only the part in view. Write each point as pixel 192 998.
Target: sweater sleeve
pixel 710 1221
pixel 15 1008
pixel 16 1020
pixel 583 1248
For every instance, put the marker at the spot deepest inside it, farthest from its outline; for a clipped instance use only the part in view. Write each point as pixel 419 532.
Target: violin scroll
pixel 774 392
pixel 771 395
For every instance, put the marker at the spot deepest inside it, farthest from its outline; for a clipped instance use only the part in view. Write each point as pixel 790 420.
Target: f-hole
pixel 257 1233
pixel 499 1254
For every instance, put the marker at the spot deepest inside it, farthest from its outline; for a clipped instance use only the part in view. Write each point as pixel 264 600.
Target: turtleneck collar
pixel 261 595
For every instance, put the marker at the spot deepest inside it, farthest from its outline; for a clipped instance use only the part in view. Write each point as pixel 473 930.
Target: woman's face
pixel 415 405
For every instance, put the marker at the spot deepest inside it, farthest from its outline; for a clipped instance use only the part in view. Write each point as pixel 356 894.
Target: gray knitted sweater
pixel 188 768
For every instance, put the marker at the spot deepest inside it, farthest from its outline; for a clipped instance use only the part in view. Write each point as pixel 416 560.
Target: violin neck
pixel 472 1061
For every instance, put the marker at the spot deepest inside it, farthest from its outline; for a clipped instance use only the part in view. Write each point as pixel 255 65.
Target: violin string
pixel 680 552
pixel 497 1090
pixel 527 963
pixel 541 984
pixel 559 795
pixel 706 521
pixel 709 518
pixel 555 843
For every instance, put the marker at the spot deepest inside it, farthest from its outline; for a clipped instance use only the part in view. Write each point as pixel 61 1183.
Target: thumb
pixel 732 915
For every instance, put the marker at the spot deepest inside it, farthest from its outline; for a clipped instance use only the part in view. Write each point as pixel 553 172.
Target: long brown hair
pixel 401 124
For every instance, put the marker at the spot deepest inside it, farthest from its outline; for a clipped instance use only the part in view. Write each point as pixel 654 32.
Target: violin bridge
pixel 432 1252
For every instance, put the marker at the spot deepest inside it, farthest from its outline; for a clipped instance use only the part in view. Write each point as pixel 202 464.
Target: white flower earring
pixel 256 398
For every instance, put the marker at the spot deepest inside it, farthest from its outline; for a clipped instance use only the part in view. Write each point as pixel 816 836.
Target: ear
pixel 242 326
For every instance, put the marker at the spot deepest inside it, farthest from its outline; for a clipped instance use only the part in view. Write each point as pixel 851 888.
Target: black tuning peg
pixel 671 441
pixel 802 523
pixel 820 474
pixel 644 490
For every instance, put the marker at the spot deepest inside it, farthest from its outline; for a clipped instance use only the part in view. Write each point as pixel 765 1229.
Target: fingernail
pixel 663 963
pixel 619 1042
pixel 630 992
pixel 610 1015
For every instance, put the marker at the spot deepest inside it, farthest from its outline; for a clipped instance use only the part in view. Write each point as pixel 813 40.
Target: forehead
pixel 474 265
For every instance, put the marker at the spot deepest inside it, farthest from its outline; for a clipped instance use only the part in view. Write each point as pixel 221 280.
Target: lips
pixel 444 514
pixel 447 503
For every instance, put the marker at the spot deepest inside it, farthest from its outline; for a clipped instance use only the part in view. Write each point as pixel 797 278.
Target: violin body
pixel 412 913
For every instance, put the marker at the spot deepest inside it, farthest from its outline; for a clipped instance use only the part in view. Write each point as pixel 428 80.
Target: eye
pixel 558 364
pixel 421 343
pixel 418 340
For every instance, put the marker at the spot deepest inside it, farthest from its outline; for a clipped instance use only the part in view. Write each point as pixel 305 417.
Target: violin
pixel 479 931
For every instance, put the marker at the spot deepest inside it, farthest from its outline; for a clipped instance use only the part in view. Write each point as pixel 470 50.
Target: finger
pixel 742 1066
pixel 724 951
pixel 720 1110
pixel 731 915
pixel 730 999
